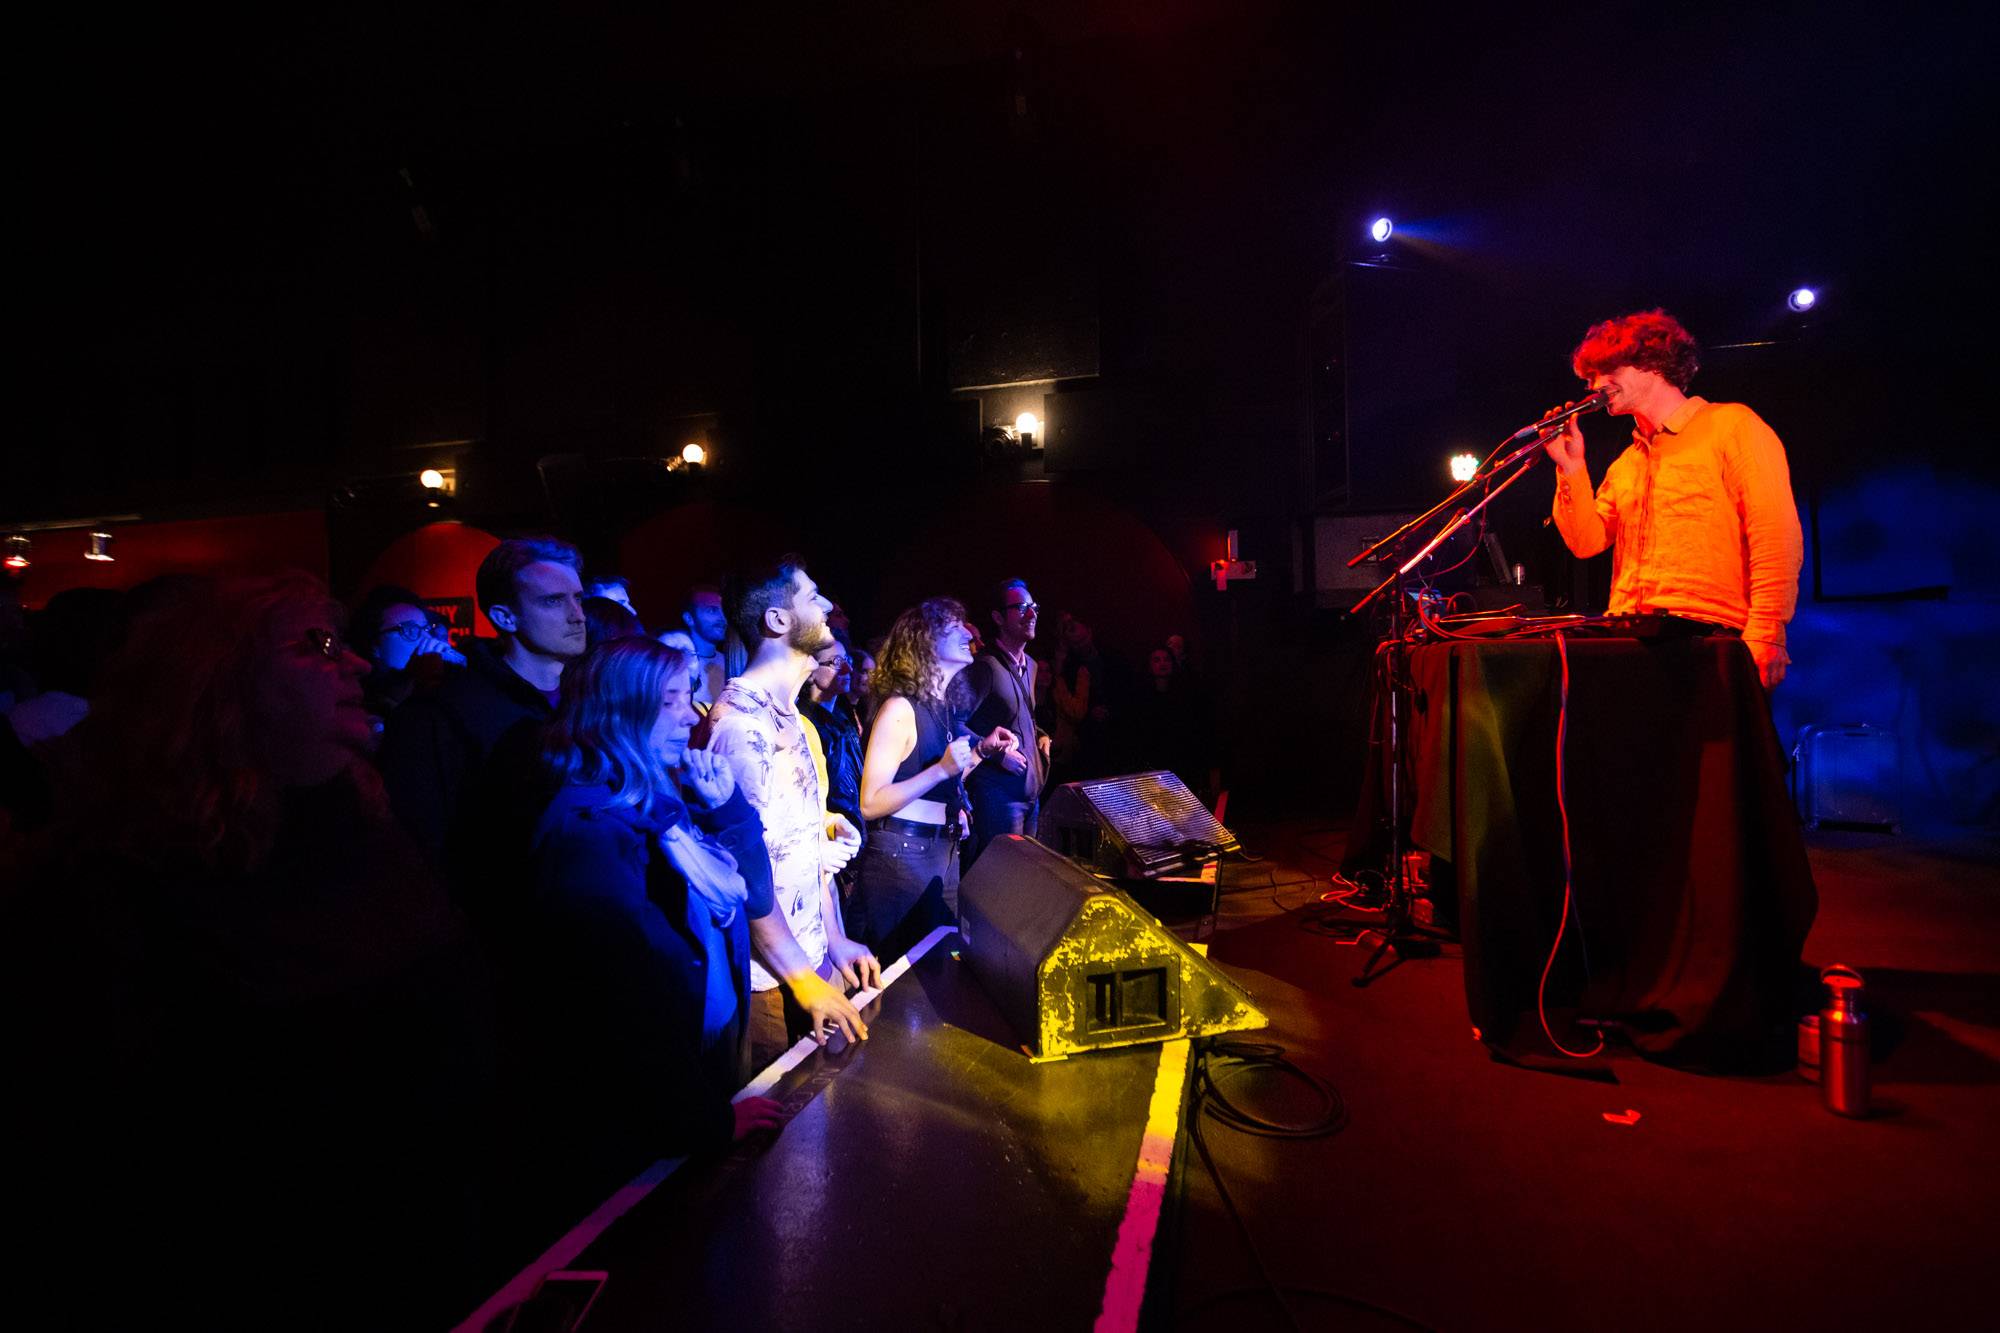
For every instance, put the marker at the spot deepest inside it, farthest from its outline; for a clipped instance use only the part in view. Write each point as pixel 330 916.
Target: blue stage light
pixel 1802 299
pixel 1380 230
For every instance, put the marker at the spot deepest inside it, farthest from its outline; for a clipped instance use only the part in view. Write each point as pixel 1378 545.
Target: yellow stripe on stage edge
pixel 1132 1255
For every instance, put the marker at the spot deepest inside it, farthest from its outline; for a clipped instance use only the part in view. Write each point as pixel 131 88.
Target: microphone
pixel 1594 403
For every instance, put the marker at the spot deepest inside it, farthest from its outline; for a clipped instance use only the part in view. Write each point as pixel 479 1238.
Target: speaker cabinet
pixel 1074 965
pixel 1140 826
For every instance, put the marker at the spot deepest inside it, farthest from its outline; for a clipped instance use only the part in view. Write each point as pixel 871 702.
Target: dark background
pixel 278 262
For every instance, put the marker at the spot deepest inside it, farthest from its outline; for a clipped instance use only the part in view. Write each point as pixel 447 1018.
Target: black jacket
pixel 435 744
pixel 840 738
pixel 1001 698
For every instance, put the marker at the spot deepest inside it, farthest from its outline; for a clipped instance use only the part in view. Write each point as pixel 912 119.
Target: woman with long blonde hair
pixel 630 955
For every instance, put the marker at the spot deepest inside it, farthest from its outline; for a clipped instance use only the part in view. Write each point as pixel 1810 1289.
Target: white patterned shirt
pixel 764 742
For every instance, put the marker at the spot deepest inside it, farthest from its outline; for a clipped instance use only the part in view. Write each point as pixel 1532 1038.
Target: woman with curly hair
pixel 912 779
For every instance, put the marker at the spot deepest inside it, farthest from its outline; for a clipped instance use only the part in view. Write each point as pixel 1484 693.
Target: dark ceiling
pixel 267 252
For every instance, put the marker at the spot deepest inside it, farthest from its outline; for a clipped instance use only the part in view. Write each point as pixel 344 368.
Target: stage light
pixel 432 479
pixel 1027 428
pixel 1380 230
pixel 1802 299
pixel 19 549
pixel 693 454
pixel 1464 467
pixel 99 546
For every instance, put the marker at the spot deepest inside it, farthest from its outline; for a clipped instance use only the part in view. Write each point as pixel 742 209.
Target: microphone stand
pixel 1400 932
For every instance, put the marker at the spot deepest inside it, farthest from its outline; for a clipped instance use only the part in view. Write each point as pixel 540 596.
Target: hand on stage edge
pixel 858 966
pixel 828 1008
pixel 752 1114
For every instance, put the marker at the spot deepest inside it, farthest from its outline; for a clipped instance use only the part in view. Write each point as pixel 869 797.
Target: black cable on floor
pixel 1208 1100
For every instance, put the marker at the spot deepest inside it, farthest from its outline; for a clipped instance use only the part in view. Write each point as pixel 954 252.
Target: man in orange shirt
pixel 1698 510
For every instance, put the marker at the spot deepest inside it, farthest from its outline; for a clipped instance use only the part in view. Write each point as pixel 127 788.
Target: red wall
pixel 438 562
pixel 245 544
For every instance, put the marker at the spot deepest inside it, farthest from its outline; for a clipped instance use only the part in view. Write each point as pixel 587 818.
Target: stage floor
pixel 1463 1193
pixel 1469 1194
pixel 930 1177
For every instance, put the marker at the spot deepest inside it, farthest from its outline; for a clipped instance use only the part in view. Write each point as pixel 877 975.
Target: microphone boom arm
pixel 1459 520
pixel 1529 438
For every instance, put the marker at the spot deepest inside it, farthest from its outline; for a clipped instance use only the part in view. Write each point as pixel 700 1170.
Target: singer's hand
pixel 1565 447
pixel 1770 660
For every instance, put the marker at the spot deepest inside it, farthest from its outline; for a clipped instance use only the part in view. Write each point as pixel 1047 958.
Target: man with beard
pixel 755 726
pixel 708 627
pixel 1006 796
pixel 436 745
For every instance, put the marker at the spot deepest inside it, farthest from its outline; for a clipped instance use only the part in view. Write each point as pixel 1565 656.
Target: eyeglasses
pixel 1023 606
pixel 326 643
pixel 409 631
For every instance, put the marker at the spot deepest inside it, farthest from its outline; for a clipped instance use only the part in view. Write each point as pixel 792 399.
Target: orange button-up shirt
pixel 1701 522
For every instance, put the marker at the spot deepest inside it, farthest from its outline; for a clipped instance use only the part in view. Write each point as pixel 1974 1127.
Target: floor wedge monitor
pixel 1073 965
pixel 1141 826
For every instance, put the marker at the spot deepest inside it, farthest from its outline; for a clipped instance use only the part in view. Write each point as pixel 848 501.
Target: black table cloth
pixel 1692 893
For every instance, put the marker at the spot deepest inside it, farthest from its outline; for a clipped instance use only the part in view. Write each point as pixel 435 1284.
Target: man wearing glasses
pixel 1006 796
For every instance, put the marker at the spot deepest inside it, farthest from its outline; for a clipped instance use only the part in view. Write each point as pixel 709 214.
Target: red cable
pixel 1541 989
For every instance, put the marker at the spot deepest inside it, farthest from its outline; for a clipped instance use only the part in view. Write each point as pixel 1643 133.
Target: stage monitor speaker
pixel 1074 965
pixel 1140 826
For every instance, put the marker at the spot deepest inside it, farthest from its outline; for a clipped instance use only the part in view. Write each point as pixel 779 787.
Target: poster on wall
pixel 457 614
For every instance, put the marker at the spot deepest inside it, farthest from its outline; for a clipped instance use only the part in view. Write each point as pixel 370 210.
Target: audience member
pixel 906 882
pixel 824 703
pixel 66 645
pixel 631 976
pixel 68 641
pixel 436 744
pixel 612 588
pixel 1081 692
pixel 605 619
pixel 1166 725
pixel 708 627
pixel 407 648
pixel 860 693
pixel 255 1035
pixel 756 727
pixel 1000 683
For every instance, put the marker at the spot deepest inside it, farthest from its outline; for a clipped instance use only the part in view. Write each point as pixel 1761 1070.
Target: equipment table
pixel 1692 894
